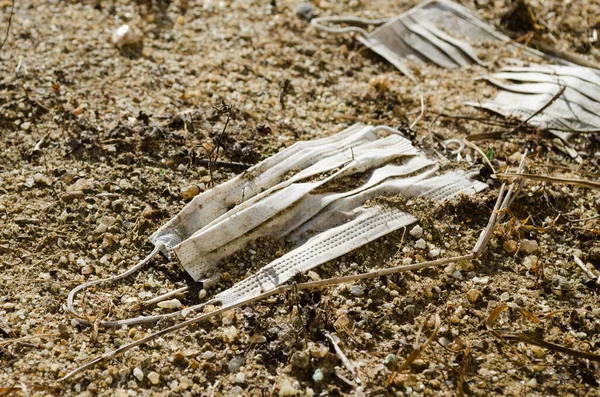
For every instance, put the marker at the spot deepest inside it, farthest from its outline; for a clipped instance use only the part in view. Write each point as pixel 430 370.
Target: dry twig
pixel 347 363
pixel 552 179
pixel 524 338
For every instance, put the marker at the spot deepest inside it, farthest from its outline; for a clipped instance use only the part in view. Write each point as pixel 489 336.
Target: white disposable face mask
pixel 437 31
pixel 524 90
pixel 315 194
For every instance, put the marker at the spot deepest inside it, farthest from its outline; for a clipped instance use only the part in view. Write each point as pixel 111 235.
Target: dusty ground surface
pixel 122 133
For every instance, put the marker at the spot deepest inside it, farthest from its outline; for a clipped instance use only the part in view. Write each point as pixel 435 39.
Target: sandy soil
pixel 121 133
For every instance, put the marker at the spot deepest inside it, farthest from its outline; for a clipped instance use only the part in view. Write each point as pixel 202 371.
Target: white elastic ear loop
pixel 320 23
pixel 130 321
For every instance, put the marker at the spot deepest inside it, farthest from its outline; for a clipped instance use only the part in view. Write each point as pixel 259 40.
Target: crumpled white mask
pixel 437 31
pixel 315 194
pixel 524 90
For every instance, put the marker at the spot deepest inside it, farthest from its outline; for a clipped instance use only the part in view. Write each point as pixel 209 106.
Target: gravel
pixel 123 133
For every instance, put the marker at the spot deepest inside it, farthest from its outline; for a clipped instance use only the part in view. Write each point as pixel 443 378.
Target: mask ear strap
pixel 130 321
pixel 322 24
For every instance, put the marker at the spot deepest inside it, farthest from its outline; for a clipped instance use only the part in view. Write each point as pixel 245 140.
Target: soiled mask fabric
pixel 437 31
pixel 317 195
pixel 525 89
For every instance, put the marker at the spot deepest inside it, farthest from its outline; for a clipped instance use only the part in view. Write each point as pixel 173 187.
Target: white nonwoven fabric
pixel 305 192
pixel 437 31
pixel 355 227
pixel 524 90
pixel 316 195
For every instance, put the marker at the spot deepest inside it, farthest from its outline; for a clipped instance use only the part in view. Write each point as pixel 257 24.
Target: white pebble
pixel 416 232
pixel 286 388
pixel 126 35
pixel 230 334
pixel 420 244
pixel 153 377
pixel 138 373
pixel 240 377
pixel 170 304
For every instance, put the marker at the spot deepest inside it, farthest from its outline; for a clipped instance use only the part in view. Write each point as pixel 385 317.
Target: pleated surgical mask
pixel 316 195
pixel 524 92
pixel 436 31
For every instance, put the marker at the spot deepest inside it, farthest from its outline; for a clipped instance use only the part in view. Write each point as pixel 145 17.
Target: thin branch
pixel 159 298
pixel 540 110
pixel 347 363
pixel 552 179
pixel 279 290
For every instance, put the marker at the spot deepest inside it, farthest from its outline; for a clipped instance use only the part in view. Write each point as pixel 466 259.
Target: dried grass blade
pixel 520 337
pixel 463 369
pixel 417 352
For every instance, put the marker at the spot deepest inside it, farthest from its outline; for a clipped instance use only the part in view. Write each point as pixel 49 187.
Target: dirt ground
pixel 96 145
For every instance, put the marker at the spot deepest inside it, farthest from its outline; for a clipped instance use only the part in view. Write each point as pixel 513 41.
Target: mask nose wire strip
pixel 321 24
pixel 130 321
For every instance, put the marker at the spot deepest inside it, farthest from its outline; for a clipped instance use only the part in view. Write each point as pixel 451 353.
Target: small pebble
pixel 207 355
pixel 510 246
pixel 138 373
pixel 357 290
pixel 258 338
pixel 286 388
pixel 313 276
pixel 434 253
pixel 42 179
pixel 420 244
pixel 170 304
pixel 26 126
pixel 230 334
pixel 80 185
pixel 189 192
pixel 318 375
pixel 529 246
pixel 532 383
pixel 240 377
pixel 235 364
pixel 304 11
pixel 530 261
pixel 319 350
pixel 237 391
pixel 300 359
pixel 8 306
pixel 126 35
pixel 505 296
pixel 416 232
pixel 538 351
pixel 457 275
pixel 154 377
pixel 473 295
